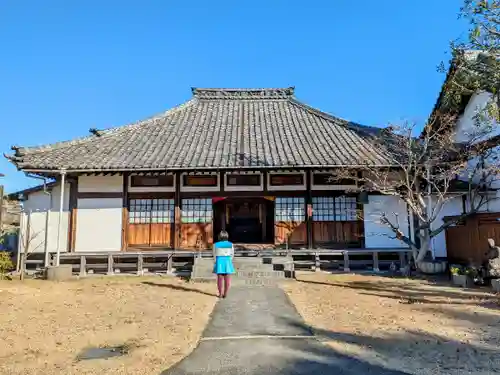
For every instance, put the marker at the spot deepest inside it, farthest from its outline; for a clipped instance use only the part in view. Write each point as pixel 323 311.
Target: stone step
pixel 245 275
pixel 257 282
pixel 242 281
pixel 250 267
pixel 262 268
pixel 260 274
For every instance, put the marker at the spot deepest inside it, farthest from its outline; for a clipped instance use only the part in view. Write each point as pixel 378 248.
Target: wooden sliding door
pixel 196 224
pixel 289 221
pixel 150 222
pixel 337 222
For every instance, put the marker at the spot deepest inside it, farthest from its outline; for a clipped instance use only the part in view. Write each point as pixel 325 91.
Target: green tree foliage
pixel 476 60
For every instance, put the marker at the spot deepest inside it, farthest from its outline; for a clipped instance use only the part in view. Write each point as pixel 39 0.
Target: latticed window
pixel 334 208
pixel 290 209
pixel 145 211
pixel 197 210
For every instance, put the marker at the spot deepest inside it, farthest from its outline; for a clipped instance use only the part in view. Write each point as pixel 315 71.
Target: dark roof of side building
pixel 217 129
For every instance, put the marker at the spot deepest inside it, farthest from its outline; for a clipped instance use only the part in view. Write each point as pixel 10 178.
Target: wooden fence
pixel 467 240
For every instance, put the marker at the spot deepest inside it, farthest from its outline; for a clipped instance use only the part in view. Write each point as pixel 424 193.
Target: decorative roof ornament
pixel 244 94
pixel 95 132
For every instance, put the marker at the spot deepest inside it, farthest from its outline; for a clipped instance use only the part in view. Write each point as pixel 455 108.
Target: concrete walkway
pixel 257 331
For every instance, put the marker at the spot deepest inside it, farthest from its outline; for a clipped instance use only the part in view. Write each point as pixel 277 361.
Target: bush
pixel 6 264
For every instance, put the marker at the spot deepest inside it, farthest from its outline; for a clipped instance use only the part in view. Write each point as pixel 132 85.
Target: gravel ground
pixel 44 326
pixel 406 325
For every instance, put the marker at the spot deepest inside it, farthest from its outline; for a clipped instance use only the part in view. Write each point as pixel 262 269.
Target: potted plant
pixel 463 276
pixel 432 267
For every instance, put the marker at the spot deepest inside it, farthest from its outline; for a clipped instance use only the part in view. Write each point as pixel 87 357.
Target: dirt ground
pixel 45 326
pixel 408 325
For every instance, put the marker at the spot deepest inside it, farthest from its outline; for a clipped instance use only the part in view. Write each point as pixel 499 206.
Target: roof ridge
pixel 242 93
pixel 20 151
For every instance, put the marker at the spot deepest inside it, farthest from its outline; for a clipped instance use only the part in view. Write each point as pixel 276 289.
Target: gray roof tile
pixel 218 128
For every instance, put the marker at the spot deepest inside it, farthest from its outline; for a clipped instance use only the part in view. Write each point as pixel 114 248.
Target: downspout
pixel 46 236
pixel 59 225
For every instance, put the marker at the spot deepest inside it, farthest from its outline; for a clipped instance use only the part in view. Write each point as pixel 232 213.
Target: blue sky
pixel 68 66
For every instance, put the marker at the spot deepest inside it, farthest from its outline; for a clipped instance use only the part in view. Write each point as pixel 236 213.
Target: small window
pixel 243 180
pixel 330 179
pixel 202 181
pixel 196 210
pixel 286 179
pixel 335 209
pixel 290 209
pixel 152 181
pixel 147 211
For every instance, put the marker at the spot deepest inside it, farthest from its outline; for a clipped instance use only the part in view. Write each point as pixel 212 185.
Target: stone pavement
pixel 257 331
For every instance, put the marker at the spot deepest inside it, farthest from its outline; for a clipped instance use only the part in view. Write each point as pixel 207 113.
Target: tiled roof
pixel 217 128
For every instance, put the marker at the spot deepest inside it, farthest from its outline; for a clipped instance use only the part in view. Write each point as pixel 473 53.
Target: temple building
pixel 257 163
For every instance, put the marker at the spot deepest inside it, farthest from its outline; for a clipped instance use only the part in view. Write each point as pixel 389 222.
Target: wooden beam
pixel 97 195
pixel 125 212
pixel 360 215
pixel 177 212
pixel 151 195
pixel 73 212
pixel 309 213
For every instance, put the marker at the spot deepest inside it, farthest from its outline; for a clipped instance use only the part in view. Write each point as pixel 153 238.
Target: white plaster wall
pixel 450 208
pixel 377 234
pixel 466 125
pixel 38 205
pixel 100 184
pixel 99 224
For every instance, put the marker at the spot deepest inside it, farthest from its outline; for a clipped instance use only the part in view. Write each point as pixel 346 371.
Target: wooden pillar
pixel 309 211
pixel 125 220
pixel 177 212
pixel 223 205
pixel 73 207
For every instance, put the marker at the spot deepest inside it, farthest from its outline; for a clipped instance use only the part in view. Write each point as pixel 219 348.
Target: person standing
pixel 223 267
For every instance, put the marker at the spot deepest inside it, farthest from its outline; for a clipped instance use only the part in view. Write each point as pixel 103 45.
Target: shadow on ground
pixel 178 287
pixel 414 293
pixel 405 350
pixel 414 351
pixel 409 352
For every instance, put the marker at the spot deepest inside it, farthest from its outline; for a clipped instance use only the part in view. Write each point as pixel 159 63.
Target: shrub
pixel 6 264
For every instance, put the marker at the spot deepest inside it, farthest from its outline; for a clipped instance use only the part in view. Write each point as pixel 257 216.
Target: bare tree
pixel 439 165
pixel 428 172
pixel 27 236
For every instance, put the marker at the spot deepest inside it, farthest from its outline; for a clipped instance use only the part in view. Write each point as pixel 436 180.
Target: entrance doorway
pixel 247 220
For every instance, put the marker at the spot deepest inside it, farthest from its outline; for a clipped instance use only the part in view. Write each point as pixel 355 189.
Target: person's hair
pixel 223 235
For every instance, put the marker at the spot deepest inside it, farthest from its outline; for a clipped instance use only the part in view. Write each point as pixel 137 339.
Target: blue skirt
pixel 223 265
